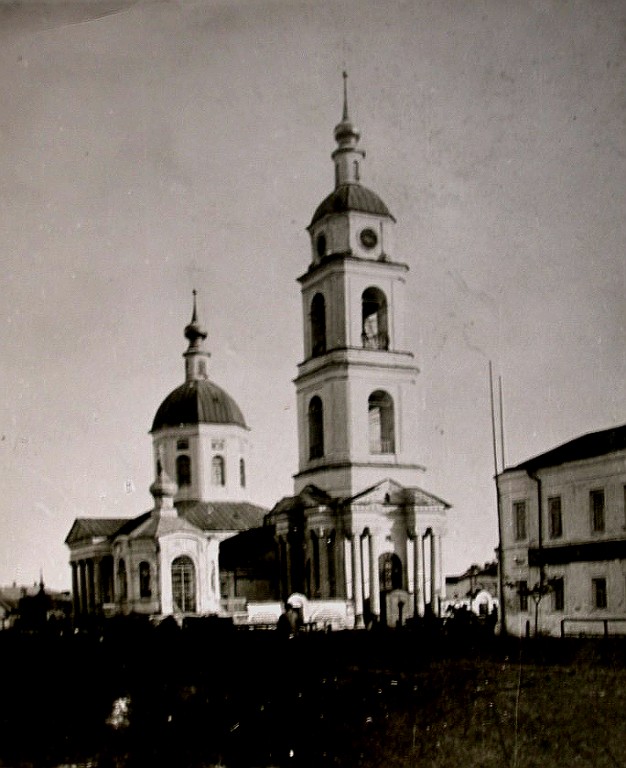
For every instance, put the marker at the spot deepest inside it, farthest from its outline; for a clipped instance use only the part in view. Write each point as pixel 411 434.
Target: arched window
pixel 356 170
pixel 375 327
pixel 183 585
pixel 316 428
pixel 122 582
pixel 218 471
pixel 242 473
pixel 183 470
pixel 145 589
pixel 381 423
pixel 318 325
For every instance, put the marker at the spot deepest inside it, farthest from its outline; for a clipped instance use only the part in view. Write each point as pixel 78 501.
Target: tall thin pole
pixel 503 627
pixel 493 420
pixel 501 422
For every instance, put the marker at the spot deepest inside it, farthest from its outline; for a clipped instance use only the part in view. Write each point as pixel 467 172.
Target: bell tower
pixel 355 387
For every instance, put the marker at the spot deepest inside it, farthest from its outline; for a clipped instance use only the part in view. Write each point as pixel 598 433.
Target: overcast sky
pixel 152 147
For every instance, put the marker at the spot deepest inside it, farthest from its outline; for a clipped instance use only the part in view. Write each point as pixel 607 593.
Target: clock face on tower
pixel 368 238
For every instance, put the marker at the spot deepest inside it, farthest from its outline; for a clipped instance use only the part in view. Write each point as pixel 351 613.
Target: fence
pixel 604 622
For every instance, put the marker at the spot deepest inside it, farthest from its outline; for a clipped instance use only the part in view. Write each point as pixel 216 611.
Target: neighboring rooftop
pixel 580 448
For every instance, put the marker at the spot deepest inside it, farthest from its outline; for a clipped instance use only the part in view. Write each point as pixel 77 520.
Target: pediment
pixel 391 492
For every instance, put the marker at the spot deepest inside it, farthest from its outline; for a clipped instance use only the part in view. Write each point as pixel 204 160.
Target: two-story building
pixel 563 536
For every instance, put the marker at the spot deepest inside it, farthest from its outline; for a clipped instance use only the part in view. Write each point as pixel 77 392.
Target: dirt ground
pixel 250 700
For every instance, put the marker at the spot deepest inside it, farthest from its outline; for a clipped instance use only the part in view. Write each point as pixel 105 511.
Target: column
pixel 97 582
pixel 322 549
pixel 365 571
pixel 426 597
pixel 433 573
pixel 90 586
pixel 418 568
pixel 442 581
pixel 316 574
pixel 357 580
pixel 282 568
pixel 82 587
pixel 374 576
pixel 348 571
pixel 288 565
pixel 75 594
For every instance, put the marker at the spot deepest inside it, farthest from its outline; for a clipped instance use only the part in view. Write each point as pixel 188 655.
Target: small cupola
pixel 163 491
pixel 196 356
pixel 347 157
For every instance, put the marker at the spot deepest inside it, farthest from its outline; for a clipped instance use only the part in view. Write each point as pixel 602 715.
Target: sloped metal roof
pixel 208 516
pixel 197 402
pixel 94 527
pixel 351 197
pixel 584 447
pixel 222 515
pixel 309 496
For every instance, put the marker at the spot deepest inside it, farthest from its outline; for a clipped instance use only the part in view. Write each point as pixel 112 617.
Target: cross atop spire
pixel 347 156
pixel 345 97
pixel 196 356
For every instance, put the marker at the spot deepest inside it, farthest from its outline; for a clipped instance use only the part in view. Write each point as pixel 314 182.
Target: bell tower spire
pixel 347 157
pixel 196 356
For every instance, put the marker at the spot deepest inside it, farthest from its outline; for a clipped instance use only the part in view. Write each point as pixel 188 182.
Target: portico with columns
pixel 358 527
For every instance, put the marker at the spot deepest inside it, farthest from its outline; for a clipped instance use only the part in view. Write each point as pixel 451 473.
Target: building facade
pixel 563 530
pixel 166 561
pixel 358 527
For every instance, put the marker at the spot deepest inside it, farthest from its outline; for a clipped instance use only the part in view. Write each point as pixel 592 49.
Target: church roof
pixel 198 401
pixel 351 197
pixel 222 515
pixel 208 516
pixel 94 527
pixel 309 496
pixel 584 447
pixel 399 494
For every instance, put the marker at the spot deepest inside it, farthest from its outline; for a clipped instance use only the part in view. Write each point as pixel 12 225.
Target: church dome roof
pixel 351 197
pixel 198 401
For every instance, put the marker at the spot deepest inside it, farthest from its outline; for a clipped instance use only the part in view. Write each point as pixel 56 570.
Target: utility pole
pixel 503 627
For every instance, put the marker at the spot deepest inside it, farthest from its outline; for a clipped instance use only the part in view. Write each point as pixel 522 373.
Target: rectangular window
pixel 558 594
pixel 519 520
pixel 596 503
pixel 555 518
pixel 598 588
pixel 523 595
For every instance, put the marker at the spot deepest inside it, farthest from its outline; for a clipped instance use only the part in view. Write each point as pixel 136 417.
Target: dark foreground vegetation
pixel 212 696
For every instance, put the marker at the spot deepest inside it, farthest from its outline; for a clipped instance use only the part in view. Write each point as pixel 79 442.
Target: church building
pixel 358 527
pixel 166 561
pixel 358 532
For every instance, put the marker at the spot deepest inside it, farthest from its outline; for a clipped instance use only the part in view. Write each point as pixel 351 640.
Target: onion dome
pixel 198 401
pixel 163 490
pixel 349 194
pixel 195 333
